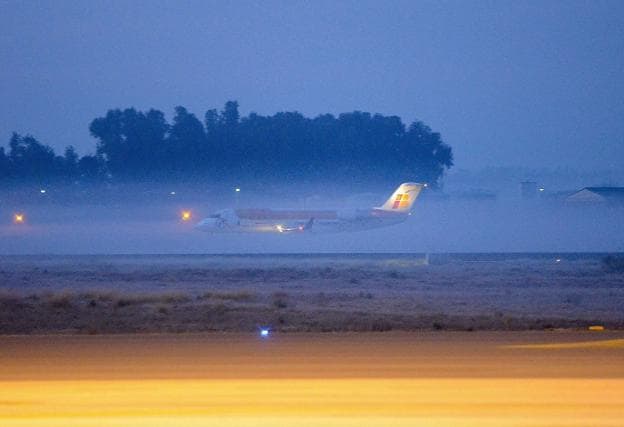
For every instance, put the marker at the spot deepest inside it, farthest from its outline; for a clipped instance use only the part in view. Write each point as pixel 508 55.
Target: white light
pixel 558 260
pixel 425 185
pixel 172 193
pixel 42 191
pixel 264 333
pixel 237 190
pixel 541 189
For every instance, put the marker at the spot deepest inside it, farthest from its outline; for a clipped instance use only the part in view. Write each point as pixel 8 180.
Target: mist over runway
pixel 141 222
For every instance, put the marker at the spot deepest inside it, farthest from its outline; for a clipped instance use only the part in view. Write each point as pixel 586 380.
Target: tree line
pixel 287 146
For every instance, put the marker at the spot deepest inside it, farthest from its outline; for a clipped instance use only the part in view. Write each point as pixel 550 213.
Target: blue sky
pixel 530 84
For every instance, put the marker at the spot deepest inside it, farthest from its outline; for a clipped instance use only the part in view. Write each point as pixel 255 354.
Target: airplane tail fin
pixel 403 198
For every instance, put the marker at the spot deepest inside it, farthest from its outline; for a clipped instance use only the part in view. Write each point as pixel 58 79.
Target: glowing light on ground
pixel 19 218
pixel 186 215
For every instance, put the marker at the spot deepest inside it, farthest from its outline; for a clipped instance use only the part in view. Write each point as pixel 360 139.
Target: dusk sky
pixel 532 84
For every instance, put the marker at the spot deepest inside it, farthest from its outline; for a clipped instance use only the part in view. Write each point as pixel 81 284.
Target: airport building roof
pixel 598 194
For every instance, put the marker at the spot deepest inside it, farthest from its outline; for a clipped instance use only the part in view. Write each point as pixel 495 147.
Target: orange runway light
pixel 596 328
pixel 186 215
pixel 19 218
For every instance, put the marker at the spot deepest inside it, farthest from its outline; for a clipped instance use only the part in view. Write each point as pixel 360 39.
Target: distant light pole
pixel 236 197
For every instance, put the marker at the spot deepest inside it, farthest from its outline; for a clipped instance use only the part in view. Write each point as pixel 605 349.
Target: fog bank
pixel 134 223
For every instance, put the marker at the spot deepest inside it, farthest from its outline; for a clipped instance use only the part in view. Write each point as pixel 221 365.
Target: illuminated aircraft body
pixel 395 210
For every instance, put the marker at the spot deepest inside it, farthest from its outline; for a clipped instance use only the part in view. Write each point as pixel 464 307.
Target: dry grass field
pixel 296 293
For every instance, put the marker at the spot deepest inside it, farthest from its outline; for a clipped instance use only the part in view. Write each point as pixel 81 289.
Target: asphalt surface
pixel 381 379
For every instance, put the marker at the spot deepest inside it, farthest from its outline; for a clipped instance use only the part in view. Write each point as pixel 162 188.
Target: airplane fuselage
pixel 293 221
pixel 395 210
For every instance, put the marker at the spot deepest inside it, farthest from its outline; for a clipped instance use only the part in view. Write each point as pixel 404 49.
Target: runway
pixel 381 379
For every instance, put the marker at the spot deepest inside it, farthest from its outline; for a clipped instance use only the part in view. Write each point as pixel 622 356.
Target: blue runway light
pixel 264 333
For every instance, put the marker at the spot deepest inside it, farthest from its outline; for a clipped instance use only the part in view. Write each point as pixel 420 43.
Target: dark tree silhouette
pixel 31 159
pixel 70 162
pixel 211 121
pixel 91 168
pixel 4 164
pixel 230 115
pixel 187 144
pixel 353 147
pixel 131 142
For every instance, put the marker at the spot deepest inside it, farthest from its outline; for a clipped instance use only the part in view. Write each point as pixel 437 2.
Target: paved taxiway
pixel 384 379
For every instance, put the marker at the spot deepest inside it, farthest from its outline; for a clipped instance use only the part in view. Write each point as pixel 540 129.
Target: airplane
pixel 395 210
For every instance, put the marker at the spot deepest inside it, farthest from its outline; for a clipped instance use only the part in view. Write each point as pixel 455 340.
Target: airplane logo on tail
pixel 403 197
pixel 401 201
